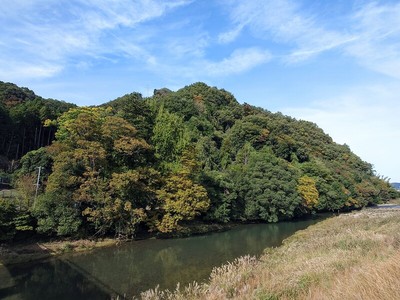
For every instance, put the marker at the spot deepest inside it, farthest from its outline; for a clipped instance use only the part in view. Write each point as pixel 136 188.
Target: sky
pixel 334 63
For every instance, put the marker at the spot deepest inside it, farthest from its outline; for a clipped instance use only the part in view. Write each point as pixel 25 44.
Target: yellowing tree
pixel 181 200
pixel 308 192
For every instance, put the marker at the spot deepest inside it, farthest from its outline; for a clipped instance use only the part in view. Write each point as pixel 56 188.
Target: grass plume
pixel 352 256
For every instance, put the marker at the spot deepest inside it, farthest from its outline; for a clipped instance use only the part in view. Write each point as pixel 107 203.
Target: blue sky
pixel 335 63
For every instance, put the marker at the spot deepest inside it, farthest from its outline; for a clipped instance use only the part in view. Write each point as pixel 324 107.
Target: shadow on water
pixel 51 279
pixel 133 267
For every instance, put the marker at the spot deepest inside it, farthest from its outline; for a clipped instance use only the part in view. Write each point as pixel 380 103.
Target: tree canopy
pixel 159 163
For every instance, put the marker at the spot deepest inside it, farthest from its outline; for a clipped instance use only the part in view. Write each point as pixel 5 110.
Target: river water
pixel 130 268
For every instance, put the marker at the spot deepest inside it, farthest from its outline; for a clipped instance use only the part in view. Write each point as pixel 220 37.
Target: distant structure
pixel 396 185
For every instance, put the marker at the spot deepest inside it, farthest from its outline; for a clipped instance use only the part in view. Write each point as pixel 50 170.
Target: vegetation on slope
pixel 352 256
pixel 22 117
pixel 157 164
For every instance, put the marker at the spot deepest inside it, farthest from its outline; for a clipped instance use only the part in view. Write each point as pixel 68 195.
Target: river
pixel 130 268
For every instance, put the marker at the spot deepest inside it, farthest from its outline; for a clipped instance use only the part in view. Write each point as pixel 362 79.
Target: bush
pixel 56 214
pixel 8 213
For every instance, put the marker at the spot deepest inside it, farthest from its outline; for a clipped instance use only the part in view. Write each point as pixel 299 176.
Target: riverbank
pixel 351 256
pixel 24 252
pixel 31 250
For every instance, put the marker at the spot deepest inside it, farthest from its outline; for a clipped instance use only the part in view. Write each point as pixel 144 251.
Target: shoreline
pixel 41 249
pixel 350 256
pixel 26 252
pixel 36 249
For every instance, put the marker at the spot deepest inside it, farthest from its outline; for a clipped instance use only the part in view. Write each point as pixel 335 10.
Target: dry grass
pixel 394 201
pixel 353 256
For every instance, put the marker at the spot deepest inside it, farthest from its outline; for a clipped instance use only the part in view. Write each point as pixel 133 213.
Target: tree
pixel 122 203
pixel 134 109
pixel 169 136
pixel 8 211
pixel 181 200
pixel 266 187
pixel 308 192
pixel 26 188
pixel 223 196
pixel 97 160
pixel 57 214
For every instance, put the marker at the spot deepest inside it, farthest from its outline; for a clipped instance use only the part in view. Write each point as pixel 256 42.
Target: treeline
pixel 22 117
pixel 156 164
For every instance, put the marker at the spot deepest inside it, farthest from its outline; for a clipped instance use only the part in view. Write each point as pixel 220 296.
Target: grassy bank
pixel 352 256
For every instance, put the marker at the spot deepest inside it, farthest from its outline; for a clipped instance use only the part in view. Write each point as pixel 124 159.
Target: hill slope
pixel 22 116
pixel 160 163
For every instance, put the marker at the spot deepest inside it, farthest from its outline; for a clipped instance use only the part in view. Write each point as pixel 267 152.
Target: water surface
pixel 130 268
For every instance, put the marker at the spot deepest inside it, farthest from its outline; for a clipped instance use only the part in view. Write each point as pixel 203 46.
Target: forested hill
pixel 160 163
pixel 22 116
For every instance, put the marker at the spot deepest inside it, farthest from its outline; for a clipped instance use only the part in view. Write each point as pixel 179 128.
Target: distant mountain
pixel 396 185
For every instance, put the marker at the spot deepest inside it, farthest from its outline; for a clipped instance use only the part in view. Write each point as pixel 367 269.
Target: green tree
pixel 8 212
pixel 266 187
pixel 169 136
pixel 223 196
pixel 57 214
pixel 134 109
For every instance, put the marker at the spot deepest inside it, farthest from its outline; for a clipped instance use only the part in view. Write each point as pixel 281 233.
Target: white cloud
pixel 285 23
pixel 313 49
pixel 15 71
pixel 55 33
pixel 371 34
pixel 106 14
pixel 240 61
pixel 231 35
pixel 205 70
pixel 369 126
pixel 187 47
pixel 378 45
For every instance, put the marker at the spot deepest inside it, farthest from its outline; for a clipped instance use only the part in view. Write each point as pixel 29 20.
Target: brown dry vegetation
pixel 352 256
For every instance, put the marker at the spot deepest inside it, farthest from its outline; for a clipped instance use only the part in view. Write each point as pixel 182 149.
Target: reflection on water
pixel 52 279
pixel 133 267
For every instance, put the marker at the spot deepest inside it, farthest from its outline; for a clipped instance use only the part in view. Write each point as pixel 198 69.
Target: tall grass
pixel 352 256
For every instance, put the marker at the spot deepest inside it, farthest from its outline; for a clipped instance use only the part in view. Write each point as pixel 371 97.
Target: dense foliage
pixel 22 121
pixel 159 163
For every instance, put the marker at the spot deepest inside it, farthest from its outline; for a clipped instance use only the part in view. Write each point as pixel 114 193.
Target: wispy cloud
pixel 370 33
pixel 207 70
pixel 51 34
pixel 365 117
pixel 231 35
pixel 240 60
pixel 284 22
pixel 370 127
pixel 187 47
pixel 27 70
pixel 378 45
